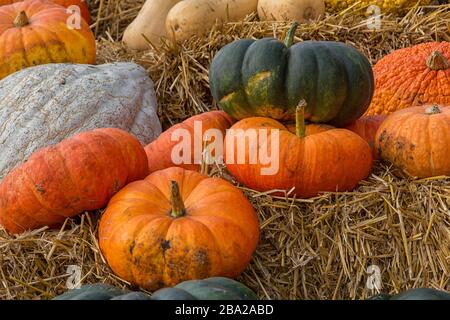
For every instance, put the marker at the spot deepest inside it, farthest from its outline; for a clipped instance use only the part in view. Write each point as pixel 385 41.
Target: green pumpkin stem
pixel 21 20
pixel 290 35
pixel 300 126
pixel 178 209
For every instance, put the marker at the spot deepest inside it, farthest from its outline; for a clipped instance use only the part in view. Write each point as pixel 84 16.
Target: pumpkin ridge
pixel 57 37
pixel 54 41
pixel 37 197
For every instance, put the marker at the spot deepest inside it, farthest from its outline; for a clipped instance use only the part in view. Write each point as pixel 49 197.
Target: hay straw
pixel 310 249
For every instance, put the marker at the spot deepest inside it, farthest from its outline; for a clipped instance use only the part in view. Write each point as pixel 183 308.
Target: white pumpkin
pixel 43 105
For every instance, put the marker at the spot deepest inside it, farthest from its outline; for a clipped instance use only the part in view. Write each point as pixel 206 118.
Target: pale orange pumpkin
pixel 178 225
pixel 417 140
pixel 35 32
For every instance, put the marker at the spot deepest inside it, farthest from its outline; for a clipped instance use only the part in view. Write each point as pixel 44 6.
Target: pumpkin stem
pixel 289 40
pixel 21 20
pixel 178 209
pixel 437 61
pixel 300 126
pixel 434 109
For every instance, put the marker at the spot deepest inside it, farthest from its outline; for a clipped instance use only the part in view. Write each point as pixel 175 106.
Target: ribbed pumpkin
pixel 268 78
pixel 178 225
pixel 311 161
pixel 412 76
pixel 386 6
pixel 366 127
pixel 159 152
pixel 78 174
pixel 82 4
pixel 417 140
pixel 35 32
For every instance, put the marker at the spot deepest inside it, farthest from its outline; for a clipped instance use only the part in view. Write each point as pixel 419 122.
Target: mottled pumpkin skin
pixel 46 39
pixel 404 79
pixel 79 174
pixel 327 159
pixel 416 142
pixel 145 245
pixel 251 78
pixel 159 152
pixel 82 4
pixel 366 127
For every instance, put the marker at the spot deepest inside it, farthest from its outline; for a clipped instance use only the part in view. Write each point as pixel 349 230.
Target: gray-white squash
pixel 43 105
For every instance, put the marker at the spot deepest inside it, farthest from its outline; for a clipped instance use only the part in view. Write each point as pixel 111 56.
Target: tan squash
pixel 289 10
pixel 150 24
pixel 195 17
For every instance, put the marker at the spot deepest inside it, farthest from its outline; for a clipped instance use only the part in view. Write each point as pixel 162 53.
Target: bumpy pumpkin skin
pixel 159 152
pixel 79 174
pixel 264 78
pixel 366 127
pixel 82 4
pixel 41 37
pixel 145 245
pixel 416 142
pixel 327 159
pixel 412 76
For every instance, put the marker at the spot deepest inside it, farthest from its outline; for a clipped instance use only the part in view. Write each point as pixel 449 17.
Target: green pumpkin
pixel 415 294
pixel 269 78
pixel 208 289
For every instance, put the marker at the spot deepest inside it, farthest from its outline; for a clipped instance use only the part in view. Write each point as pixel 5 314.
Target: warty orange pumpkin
pixel 366 127
pixel 78 174
pixel 35 32
pixel 315 159
pixel 417 140
pixel 178 225
pixel 159 152
pixel 412 76
pixel 81 4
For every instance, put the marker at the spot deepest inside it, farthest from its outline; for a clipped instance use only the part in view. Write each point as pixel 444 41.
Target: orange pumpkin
pixel 35 32
pixel 366 127
pixel 315 159
pixel 78 174
pixel 412 76
pixel 178 225
pixel 417 140
pixel 159 152
pixel 82 4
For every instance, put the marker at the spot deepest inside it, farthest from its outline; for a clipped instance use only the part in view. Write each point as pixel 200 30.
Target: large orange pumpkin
pixel 82 4
pixel 35 32
pixel 178 225
pixel 316 159
pixel 159 152
pixel 78 174
pixel 412 76
pixel 417 140
pixel 366 127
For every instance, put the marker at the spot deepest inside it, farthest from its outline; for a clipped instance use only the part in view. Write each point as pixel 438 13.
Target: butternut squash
pixel 195 17
pixel 150 22
pixel 289 10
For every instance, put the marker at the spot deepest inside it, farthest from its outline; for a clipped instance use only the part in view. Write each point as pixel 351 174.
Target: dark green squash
pixel 414 294
pixel 269 78
pixel 98 291
pixel 208 289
